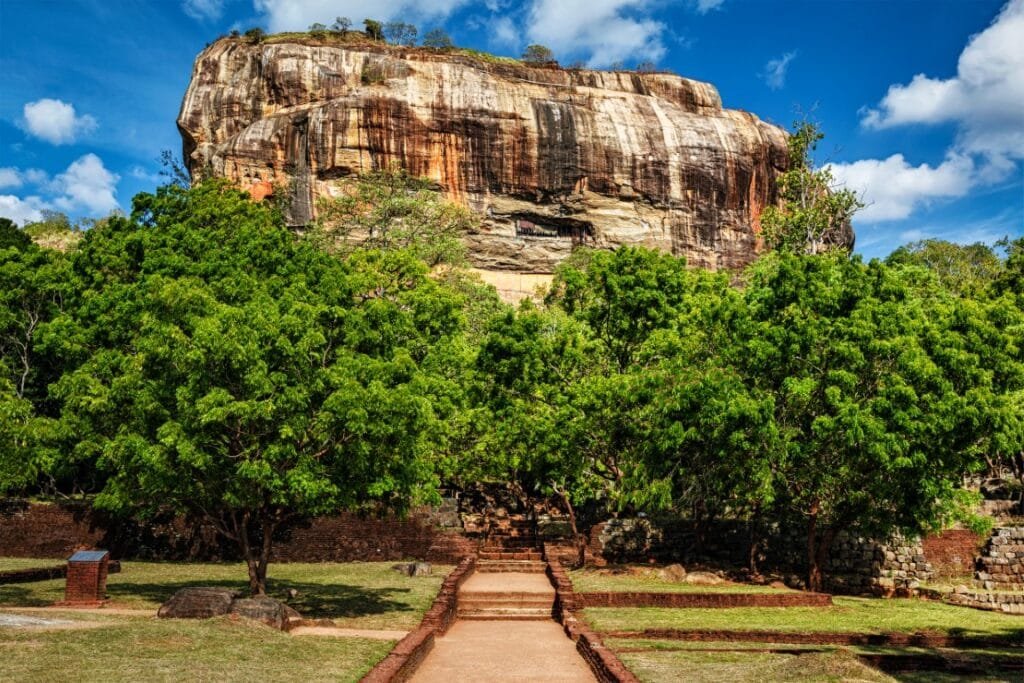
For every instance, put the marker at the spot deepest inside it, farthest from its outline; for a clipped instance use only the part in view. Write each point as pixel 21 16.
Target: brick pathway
pixel 504 633
pixel 500 651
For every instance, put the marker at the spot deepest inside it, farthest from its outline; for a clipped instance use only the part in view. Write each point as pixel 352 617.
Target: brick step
pixel 527 566
pixel 534 555
pixel 510 543
pixel 535 602
pixel 511 614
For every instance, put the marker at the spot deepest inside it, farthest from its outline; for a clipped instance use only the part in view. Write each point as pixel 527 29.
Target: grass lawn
pixel 665 660
pixel 150 649
pixel 658 666
pixel 355 595
pixel 847 615
pixel 601 580
pixel 10 564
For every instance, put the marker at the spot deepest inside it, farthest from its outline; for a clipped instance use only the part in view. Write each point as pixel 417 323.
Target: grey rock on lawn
pixel 198 603
pixel 413 568
pixel 265 610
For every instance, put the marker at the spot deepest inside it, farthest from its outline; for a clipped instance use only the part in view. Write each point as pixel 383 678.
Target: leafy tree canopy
pixel 235 372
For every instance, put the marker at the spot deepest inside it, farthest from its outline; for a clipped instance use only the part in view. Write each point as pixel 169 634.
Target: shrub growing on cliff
pixel 811 207
pixel 400 33
pixel 395 210
pixel 538 54
pixel 341 25
pixel 374 29
pixel 438 39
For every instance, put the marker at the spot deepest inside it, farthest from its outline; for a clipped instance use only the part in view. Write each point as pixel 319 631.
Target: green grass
pixel 149 649
pixel 355 595
pixel 848 615
pixel 754 667
pixel 598 580
pixel 10 564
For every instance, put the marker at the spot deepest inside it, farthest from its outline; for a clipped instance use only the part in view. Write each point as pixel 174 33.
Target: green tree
pixel 879 401
pixel 255 35
pixel 811 210
pixel 374 30
pixel 17 468
pixel 341 25
pixel 240 375
pixel 538 54
pixel 395 210
pixel 12 236
pixel 966 270
pixel 438 39
pixel 1011 279
pixel 400 33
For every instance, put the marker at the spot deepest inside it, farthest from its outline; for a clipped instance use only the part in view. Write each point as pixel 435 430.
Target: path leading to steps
pixel 505 633
pixel 504 651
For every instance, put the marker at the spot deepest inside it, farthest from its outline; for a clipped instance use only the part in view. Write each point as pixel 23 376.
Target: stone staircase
pixel 510 583
pixel 511 546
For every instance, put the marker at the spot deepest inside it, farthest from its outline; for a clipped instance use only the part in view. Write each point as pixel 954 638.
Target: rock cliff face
pixel 550 158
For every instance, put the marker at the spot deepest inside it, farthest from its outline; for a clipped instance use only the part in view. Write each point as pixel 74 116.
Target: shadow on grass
pixel 26 595
pixel 314 600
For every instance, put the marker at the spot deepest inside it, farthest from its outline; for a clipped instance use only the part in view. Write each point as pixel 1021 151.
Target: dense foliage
pixel 199 358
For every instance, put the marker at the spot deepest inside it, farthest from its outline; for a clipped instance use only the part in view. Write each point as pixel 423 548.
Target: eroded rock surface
pixel 198 603
pixel 550 158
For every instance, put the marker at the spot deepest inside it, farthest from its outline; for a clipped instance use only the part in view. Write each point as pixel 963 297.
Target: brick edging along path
pixel 605 664
pixel 403 660
pixel 702 600
pixel 927 640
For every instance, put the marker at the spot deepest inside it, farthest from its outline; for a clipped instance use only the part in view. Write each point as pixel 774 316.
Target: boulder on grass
pixel 703 579
pixel 265 610
pixel 673 572
pixel 412 568
pixel 198 603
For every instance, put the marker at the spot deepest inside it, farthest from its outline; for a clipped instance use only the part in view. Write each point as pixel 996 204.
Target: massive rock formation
pixel 550 158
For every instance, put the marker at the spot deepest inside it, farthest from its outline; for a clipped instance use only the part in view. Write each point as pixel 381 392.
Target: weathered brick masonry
pixel 45 530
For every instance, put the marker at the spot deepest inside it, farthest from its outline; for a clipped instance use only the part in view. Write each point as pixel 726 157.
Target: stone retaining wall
pixel 856 564
pixel 1009 603
pixel 1001 565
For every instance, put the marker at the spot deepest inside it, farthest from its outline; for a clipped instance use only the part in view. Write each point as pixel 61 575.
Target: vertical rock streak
pixel 550 158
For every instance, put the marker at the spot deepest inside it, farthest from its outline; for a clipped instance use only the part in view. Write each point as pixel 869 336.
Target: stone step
pixel 510 614
pixel 526 566
pixel 481 605
pixel 534 555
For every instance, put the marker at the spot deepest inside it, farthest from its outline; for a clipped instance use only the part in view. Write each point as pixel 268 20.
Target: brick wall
pixel 953 552
pixel 55 531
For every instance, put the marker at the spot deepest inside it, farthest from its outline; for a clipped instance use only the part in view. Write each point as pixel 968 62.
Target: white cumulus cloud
pixel 10 177
pixel 892 188
pixel 298 15
pixel 607 31
pixel 204 10
pixel 775 70
pixel 21 211
pixel 985 99
pixel 56 121
pixel 88 185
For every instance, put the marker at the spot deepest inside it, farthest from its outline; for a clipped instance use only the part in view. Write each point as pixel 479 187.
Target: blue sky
pixel 922 101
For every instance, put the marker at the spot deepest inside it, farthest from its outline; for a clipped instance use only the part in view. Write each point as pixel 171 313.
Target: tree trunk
pixel 813 555
pixel 581 545
pixel 257 555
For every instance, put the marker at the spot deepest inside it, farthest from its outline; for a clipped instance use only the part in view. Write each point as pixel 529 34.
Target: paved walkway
pixel 504 651
pixel 499 651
